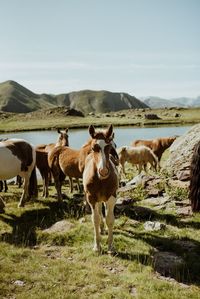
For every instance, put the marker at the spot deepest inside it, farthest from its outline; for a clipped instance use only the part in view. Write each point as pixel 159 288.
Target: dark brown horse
pixel 194 187
pixel 42 158
pixel 100 181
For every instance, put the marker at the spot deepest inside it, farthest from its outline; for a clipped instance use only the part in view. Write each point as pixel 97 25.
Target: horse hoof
pixel 97 249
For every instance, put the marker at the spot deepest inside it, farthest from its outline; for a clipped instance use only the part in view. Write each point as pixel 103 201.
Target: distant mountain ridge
pixel 157 102
pixel 16 98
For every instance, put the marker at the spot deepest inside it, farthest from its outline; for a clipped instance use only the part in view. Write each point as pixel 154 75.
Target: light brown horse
pixel 194 188
pixel 137 155
pixel 158 145
pixel 64 161
pixel 100 181
pixel 42 158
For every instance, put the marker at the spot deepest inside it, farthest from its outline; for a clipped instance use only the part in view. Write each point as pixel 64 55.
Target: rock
pixel 19 283
pixel 59 227
pixel 153 226
pixel 178 163
pixel 158 201
pixel 151 116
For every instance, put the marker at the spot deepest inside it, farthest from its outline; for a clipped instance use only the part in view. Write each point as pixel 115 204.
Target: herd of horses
pixel 98 163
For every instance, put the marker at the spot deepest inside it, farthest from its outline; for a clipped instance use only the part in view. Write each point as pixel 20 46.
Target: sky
pixel 142 47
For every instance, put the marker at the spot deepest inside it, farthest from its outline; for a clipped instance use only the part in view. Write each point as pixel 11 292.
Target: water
pixel 78 137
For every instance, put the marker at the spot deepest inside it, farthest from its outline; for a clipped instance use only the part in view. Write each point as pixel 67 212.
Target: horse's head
pixel 63 137
pixel 102 146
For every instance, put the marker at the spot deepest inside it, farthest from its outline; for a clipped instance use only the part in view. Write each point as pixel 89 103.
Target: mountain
pixel 16 98
pixel 156 102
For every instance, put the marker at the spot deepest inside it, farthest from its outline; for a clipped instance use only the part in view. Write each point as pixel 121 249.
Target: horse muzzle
pixel 103 172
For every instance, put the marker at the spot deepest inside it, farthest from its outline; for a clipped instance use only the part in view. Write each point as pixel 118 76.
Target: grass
pixel 35 263
pixel 54 118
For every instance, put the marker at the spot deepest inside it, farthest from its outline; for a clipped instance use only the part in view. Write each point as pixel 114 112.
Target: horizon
pixel 143 48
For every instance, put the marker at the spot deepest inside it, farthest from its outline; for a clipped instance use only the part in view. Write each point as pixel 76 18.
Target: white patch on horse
pixel 102 162
pixel 12 168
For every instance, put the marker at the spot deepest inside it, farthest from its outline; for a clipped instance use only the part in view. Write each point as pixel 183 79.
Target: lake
pixel 77 137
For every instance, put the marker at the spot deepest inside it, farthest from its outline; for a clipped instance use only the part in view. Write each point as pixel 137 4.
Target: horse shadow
pixel 24 226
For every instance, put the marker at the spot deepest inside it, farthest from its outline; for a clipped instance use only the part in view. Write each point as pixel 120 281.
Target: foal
pixel 100 181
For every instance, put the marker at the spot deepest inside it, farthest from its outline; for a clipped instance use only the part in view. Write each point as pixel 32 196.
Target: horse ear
pixel 66 130
pixel 92 131
pixel 109 131
pixel 58 130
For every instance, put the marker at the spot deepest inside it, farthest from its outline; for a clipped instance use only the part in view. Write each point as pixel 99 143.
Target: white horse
pixel 17 157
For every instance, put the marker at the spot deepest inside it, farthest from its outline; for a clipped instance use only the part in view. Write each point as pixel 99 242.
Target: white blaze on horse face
pixel 102 168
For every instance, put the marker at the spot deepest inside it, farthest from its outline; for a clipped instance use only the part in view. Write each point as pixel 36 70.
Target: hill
pixel 157 102
pixel 16 98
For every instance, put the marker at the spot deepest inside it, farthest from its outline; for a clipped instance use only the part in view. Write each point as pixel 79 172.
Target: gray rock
pixel 153 226
pixel 181 151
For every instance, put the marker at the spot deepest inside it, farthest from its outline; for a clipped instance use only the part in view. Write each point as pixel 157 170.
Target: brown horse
pixel 158 145
pixel 100 181
pixel 64 161
pixel 194 187
pixel 42 158
pixel 17 157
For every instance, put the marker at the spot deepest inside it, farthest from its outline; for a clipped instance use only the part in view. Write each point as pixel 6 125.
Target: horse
pixel 42 158
pixel 65 161
pixel 140 155
pixel 157 145
pixel 100 182
pixel 194 186
pixel 17 157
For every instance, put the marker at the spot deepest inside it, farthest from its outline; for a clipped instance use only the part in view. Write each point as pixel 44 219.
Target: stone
pixel 178 163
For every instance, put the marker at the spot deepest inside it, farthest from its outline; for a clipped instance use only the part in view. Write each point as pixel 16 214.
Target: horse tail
pixel 32 188
pixel 194 187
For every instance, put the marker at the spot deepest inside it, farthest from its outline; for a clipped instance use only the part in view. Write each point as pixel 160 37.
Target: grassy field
pixel 38 263
pixel 54 118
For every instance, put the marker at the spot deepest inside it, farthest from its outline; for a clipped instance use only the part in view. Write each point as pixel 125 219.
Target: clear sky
pixel 143 47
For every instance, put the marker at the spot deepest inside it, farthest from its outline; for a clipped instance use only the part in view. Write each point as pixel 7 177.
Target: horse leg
pixel 102 230
pixel 71 184
pixel 96 222
pixel 5 186
pixel 45 179
pixel 1 186
pixel 79 185
pixel 140 168
pixel 25 191
pixel 110 204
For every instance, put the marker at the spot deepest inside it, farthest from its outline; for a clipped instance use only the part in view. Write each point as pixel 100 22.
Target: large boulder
pixel 178 163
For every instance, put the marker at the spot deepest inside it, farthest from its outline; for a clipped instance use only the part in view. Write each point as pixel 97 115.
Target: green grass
pixel 63 265
pixel 54 118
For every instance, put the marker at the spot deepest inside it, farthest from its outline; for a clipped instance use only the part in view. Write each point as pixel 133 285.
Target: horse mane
pixel 194 187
